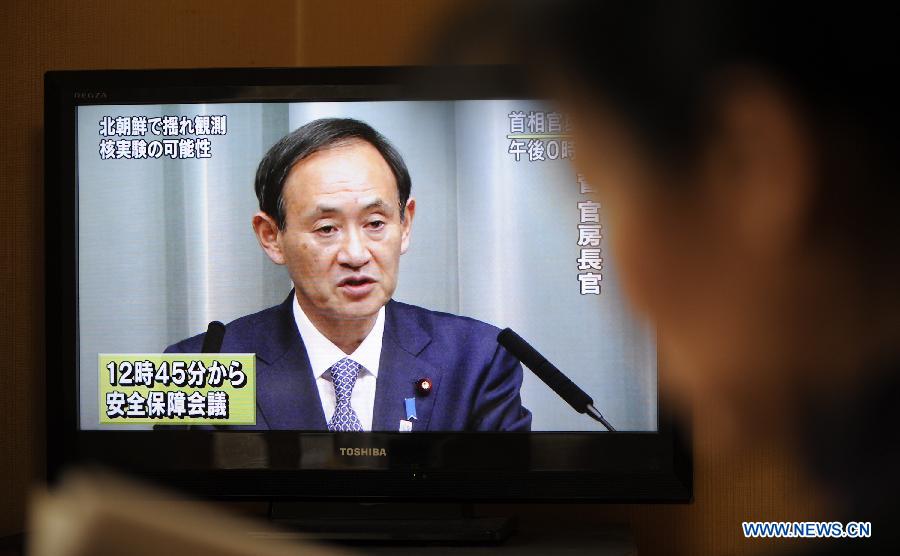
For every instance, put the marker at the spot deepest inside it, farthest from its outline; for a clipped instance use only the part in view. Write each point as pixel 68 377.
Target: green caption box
pixel 177 388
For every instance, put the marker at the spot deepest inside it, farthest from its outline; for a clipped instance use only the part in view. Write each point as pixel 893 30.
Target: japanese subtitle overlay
pixel 178 388
pixel 149 137
pixel 590 260
pixel 537 136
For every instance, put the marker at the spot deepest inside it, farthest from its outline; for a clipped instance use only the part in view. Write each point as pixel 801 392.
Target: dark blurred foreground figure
pixel 746 157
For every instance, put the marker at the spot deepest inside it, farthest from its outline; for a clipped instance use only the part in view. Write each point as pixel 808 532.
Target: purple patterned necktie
pixel 343 376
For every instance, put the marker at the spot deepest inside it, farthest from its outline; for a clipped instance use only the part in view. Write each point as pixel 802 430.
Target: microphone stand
pixel 597 416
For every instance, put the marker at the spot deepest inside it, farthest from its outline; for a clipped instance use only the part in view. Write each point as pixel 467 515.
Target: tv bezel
pixel 461 466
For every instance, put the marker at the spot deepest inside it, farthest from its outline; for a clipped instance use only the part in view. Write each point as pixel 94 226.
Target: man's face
pixel 343 234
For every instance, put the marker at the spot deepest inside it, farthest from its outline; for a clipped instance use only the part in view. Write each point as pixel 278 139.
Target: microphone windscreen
pixel 212 340
pixel 545 370
pixel 521 349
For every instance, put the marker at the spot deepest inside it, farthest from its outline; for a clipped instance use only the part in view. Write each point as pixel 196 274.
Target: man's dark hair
pixel 311 138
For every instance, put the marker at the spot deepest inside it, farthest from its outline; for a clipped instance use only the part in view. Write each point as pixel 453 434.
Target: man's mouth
pixel 357 286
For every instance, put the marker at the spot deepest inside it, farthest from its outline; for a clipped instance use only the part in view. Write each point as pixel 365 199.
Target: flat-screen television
pixel 358 237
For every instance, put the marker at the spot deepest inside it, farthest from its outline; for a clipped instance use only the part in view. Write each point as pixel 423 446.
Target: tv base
pixel 408 523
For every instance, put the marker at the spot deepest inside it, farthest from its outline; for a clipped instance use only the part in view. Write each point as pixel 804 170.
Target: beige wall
pixel 38 35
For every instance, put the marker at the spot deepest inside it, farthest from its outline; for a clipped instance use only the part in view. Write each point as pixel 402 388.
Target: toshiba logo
pixel 357 452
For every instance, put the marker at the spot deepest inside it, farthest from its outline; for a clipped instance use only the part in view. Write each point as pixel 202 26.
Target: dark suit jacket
pixel 476 382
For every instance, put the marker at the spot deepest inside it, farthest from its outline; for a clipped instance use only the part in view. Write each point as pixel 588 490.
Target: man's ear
pixel 409 213
pixel 268 234
pixel 760 164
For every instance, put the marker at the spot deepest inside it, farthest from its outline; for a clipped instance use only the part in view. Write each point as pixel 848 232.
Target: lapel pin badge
pixel 423 386
pixel 410 405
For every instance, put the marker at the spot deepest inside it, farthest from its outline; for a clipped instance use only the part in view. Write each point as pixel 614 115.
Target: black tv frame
pixel 466 467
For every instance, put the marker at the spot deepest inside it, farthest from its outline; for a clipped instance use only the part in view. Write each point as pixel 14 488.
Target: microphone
pixel 552 377
pixel 212 341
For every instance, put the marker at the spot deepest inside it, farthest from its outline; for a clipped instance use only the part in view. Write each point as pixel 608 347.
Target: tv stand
pixel 393 522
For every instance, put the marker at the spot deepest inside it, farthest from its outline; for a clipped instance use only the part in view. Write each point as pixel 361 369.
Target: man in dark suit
pixel 339 354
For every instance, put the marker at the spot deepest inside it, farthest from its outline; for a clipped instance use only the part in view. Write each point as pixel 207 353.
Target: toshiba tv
pixel 290 284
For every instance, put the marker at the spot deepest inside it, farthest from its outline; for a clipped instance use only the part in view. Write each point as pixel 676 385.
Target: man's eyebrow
pixel 326 209
pixel 376 204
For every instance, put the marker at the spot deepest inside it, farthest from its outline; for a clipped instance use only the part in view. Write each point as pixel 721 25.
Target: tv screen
pixel 358 238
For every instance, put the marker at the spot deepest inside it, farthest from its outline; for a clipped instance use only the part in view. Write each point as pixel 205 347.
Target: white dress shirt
pixel 323 354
